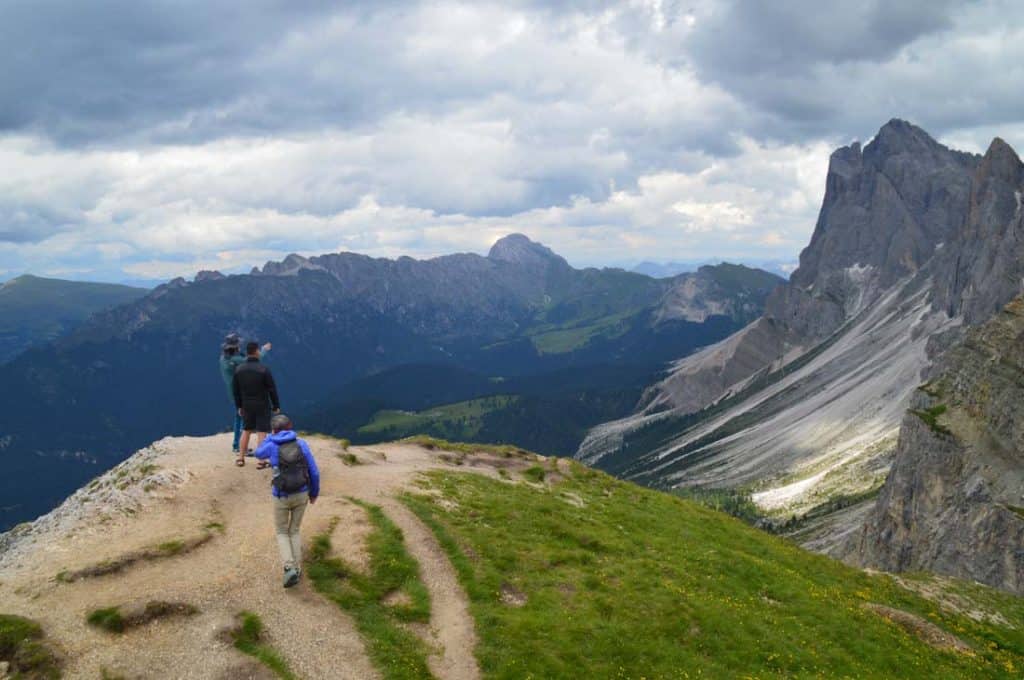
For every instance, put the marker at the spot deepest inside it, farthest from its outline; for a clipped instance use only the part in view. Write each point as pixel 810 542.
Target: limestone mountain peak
pixel 519 249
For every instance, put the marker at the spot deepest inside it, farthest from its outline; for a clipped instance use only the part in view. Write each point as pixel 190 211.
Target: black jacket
pixel 253 384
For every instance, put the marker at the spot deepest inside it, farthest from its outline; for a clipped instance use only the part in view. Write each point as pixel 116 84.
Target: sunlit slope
pixel 582 575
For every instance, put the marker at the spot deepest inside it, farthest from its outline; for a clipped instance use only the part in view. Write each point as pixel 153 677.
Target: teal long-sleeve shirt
pixel 228 364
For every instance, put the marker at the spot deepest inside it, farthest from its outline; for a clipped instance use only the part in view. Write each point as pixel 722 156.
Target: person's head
pixel 231 344
pixel 280 422
pixel 252 349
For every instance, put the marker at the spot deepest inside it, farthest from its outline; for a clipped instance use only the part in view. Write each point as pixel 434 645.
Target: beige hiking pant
pixel 288 513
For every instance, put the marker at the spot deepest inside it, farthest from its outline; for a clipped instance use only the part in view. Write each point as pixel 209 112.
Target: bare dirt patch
pixel 512 596
pixel 940 591
pixel 925 631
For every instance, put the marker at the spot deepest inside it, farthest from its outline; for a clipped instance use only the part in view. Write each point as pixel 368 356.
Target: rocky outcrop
pixel 727 290
pixel 954 500
pixel 913 243
pixel 981 268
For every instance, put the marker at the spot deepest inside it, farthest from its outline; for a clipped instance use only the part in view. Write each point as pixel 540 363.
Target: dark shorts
pixel 256 417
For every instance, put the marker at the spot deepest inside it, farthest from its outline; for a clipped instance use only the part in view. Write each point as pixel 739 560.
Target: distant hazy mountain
pixel 664 270
pixel 519 318
pixel 35 310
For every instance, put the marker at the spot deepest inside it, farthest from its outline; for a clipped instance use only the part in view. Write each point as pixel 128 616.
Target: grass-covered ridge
pixel 382 601
pixel 595 577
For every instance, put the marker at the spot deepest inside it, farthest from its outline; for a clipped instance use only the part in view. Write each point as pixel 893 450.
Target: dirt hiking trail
pixel 178 522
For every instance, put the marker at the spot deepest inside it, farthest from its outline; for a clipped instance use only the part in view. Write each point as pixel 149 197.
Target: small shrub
pixel 534 473
pixel 349 459
pixel 931 418
pixel 109 619
pixel 344 444
pixel 22 645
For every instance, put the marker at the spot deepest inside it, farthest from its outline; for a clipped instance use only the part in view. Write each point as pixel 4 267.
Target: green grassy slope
pixel 460 421
pixel 590 576
pixel 35 309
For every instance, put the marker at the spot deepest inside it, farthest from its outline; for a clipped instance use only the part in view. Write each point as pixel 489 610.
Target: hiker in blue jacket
pixel 230 359
pixel 295 484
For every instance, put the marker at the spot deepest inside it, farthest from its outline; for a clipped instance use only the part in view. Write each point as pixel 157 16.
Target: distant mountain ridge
pixel 914 242
pixel 667 270
pixel 36 310
pixel 147 369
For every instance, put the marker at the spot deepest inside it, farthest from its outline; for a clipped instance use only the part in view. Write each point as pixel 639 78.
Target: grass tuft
pixel 534 473
pixel 248 639
pixel 931 418
pixel 171 547
pixel 370 599
pixel 1017 510
pixel 109 619
pixel 23 646
pixel 349 459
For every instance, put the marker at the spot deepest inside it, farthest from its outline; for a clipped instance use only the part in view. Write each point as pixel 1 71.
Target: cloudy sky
pixel 145 140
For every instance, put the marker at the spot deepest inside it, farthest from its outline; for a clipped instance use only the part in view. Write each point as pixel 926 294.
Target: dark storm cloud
pixel 753 39
pixel 807 69
pixel 157 129
pixel 85 72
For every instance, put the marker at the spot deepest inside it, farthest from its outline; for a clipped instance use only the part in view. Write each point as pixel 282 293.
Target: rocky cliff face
pixel 913 241
pixel 954 500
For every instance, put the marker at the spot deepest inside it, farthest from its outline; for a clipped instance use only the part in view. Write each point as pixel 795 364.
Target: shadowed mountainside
pixel 36 310
pixel 148 368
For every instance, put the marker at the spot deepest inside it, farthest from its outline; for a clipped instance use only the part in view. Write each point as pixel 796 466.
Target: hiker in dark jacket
pixel 296 483
pixel 230 359
pixel 255 395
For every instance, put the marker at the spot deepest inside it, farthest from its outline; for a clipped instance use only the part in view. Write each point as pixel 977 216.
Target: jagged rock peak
pixel 1000 160
pixel 208 275
pixel 289 266
pixel 899 136
pixel 518 249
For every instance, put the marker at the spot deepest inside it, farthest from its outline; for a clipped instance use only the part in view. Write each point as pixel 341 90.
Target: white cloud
pixel 613 132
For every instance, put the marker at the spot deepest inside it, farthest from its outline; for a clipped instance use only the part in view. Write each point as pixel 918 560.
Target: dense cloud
pixel 149 139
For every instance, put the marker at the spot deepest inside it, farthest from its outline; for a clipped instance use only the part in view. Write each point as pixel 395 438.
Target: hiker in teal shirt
pixel 230 359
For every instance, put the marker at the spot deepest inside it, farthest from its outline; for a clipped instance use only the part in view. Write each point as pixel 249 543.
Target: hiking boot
pixel 291 577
